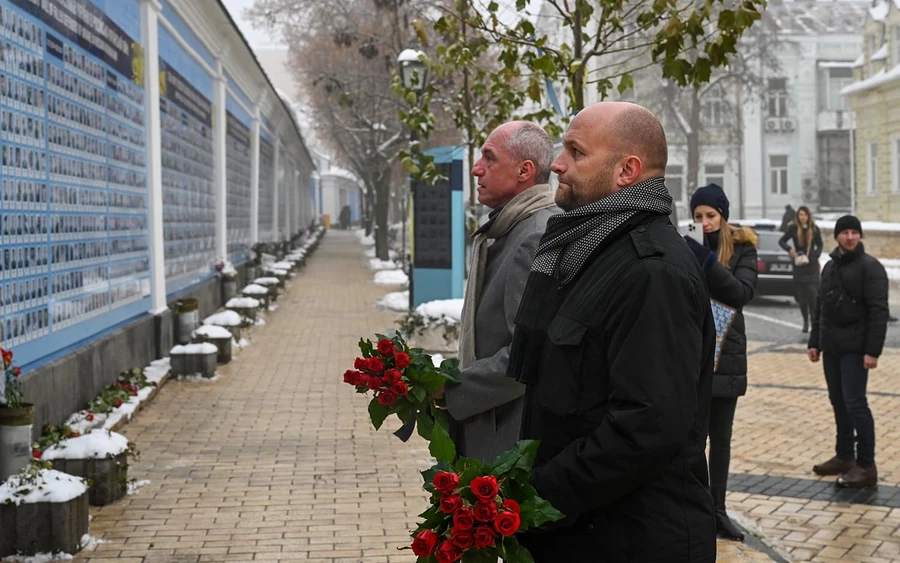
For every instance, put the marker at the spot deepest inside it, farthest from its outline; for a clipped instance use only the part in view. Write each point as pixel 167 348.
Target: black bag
pixel 845 309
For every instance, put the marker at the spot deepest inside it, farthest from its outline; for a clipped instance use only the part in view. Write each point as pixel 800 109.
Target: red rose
pixel 385 347
pixel 36 454
pixel 7 357
pixel 448 553
pixel 424 543
pixel 373 382
pixel 17 371
pixel 118 403
pixel 360 363
pixel 462 539
pixel 392 375
pixel 451 503
pixel 485 511
pixel 511 505
pixel 387 398
pixel 463 519
pixel 485 488
pixel 375 365
pixel 484 537
pixel 89 417
pixel 445 482
pixel 350 377
pixel 507 523
pixel 400 389
pixel 401 360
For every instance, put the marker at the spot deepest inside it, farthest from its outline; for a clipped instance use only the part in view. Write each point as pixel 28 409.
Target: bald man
pixel 614 341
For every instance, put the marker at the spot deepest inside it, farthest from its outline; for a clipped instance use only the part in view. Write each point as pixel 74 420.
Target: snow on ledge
pixel 225 318
pixel 97 444
pixel 213 331
pixel 52 486
pixel 244 302
pixel 449 309
pixel 201 348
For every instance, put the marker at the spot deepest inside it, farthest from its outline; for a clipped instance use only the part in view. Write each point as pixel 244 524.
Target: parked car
pixel 776 269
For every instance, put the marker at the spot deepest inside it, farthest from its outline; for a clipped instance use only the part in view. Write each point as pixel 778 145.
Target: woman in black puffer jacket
pixel 729 260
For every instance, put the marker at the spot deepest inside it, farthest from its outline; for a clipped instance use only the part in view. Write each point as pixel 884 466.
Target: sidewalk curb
pixel 755 537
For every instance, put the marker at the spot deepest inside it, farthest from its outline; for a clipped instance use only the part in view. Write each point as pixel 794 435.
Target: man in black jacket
pixel 614 340
pixel 848 330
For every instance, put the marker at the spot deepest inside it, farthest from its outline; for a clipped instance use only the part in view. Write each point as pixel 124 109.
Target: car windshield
pixel 769 242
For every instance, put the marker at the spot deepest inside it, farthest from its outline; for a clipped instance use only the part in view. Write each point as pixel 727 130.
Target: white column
pixel 276 236
pixel 754 167
pixel 254 178
pixel 219 127
pixel 150 39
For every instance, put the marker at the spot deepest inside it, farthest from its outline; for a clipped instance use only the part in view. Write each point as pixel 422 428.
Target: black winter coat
pixel 734 286
pixel 620 403
pixel 810 272
pixel 860 326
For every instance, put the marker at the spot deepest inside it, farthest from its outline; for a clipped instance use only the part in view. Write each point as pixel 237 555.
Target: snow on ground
pixel 363 239
pixel 450 309
pixel 39 558
pixel 242 344
pixel 391 277
pixel 395 301
pixel 97 444
pixel 52 486
pixel 134 486
pixel 90 543
pixel 377 264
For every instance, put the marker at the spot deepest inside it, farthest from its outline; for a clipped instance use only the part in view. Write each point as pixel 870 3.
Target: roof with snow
pixel 880 78
pixel 880 11
pixel 880 54
pixel 812 18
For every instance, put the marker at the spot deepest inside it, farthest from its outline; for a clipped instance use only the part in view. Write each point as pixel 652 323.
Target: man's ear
pixel 631 169
pixel 526 170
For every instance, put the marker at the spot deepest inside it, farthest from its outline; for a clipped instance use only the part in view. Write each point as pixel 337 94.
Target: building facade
pixel 875 97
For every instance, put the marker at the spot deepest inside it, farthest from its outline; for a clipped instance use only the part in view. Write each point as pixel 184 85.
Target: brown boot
pixel 859 477
pixel 834 466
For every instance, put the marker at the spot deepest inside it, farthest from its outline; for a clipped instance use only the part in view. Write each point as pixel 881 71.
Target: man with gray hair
pixel 513 174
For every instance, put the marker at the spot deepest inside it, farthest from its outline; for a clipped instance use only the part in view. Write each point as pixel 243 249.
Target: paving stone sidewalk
pixel 276 461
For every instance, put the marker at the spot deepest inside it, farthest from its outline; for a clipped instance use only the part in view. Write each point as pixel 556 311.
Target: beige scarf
pixel 521 206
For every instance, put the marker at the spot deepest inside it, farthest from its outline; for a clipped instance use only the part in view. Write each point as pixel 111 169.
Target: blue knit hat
pixel 712 195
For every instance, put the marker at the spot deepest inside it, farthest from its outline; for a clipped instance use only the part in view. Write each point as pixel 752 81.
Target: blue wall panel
pixel 185 32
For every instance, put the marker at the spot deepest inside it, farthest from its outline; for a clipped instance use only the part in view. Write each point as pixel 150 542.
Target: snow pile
pixel 282 265
pixel 201 348
pixel 157 370
pixel 395 301
pixel 267 281
pixel 98 444
pixel 39 558
pixel 273 308
pixel 135 486
pixel 278 271
pixel 377 264
pixel 228 269
pixel 90 543
pixel 242 344
pixel 51 486
pixel 255 289
pixel 449 309
pixel 244 302
pixel 260 322
pixel 225 318
pixel 198 378
pixel 391 277
pixel 212 331
pixel 363 239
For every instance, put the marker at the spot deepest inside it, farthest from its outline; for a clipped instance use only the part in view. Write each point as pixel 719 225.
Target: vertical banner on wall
pixel 73 196
pixel 237 140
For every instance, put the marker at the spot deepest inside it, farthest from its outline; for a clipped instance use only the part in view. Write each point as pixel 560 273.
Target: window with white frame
pixel 675 181
pixel 777 97
pixel 714 174
pixel 838 79
pixel 872 168
pixel 778 173
pixel 896 164
pixel 714 106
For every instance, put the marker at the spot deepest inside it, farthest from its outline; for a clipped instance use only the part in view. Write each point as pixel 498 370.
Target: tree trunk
pixel 693 145
pixel 382 205
pixel 368 209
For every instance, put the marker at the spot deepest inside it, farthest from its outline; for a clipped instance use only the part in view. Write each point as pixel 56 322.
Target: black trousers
pixel 847 379
pixel 721 421
pixel 806 297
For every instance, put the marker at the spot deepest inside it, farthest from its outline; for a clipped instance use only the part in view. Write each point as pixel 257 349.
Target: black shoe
pixel 805 327
pixel 858 477
pixel 725 528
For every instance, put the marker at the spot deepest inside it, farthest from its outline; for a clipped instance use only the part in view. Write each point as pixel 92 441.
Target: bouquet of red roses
pixel 404 381
pixel 477 509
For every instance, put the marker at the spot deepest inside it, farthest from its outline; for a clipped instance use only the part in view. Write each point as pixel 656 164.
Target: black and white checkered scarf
pixel 573 236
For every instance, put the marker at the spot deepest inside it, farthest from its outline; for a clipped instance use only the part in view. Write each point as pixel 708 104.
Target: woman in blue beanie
pixel 728 258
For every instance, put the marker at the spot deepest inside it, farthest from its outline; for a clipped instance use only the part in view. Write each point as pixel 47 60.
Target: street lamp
pixel 412 73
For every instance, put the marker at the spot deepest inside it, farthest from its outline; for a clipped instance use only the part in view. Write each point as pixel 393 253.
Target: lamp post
pixel 412 73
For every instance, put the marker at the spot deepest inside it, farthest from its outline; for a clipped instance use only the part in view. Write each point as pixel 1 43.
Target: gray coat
pixel 487 405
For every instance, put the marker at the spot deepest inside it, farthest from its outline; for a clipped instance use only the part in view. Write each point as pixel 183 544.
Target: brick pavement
pixel 276 461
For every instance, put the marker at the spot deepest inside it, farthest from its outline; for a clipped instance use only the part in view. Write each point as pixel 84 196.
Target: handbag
pixel 801 260
pixel 723 318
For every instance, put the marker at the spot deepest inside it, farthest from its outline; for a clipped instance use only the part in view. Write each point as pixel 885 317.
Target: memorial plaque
pixel 433 227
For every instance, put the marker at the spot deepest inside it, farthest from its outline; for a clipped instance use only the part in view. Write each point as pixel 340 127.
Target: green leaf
pixel 377 412
pixel 424 425
pixel 418 393
pixel 520 457
pixel 626 83
pixel 480 556
pixel 512 552
pixel 442 447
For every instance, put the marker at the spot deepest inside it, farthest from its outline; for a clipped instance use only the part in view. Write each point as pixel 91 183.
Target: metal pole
pixel 853 168
pixel 410 205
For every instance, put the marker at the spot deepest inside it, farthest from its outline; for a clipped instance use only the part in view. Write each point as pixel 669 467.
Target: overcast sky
pixel 256 37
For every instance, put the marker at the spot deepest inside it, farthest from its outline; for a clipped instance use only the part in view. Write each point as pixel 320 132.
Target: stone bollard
pixel 194 359
pixel 244 306
pixel 258 292
pixel 100 457
pixel 220 336
pixel 228 319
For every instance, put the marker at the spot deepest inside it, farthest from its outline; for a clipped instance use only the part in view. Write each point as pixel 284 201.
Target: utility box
pixel 438 243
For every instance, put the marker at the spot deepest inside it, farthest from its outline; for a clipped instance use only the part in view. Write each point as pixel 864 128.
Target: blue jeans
pixel 847 378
